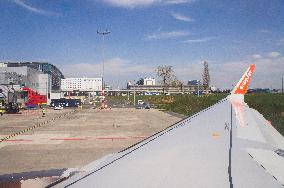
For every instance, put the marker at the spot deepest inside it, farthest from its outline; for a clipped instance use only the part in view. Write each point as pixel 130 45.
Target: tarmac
pixel 72 138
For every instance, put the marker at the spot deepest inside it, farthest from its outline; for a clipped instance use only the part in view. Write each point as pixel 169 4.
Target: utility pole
pixel 103 33
pixel 282 83
pixel 127 95
pixel 134 93
pixel 198 88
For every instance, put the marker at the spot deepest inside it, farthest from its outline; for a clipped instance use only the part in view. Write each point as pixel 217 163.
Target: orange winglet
pixel 242 86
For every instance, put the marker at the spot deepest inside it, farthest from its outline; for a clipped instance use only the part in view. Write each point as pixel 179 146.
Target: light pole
pixel 198 88
pixel 282 83
pixel 134 93
pixel 47 89
pixel 128 96
pixel 103 33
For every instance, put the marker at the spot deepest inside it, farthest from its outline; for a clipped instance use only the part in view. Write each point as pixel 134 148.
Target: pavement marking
pixel 34 139
pixel 18 140
pixel 121 138
pixel 67 139
pixel 111 138
pixel 139 137
pixel 33 127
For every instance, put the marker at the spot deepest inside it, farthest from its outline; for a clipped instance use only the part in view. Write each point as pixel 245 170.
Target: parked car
pixel 143 106
pixel 147 106
pixel 58 107
pixel 140 102
pixel 139 106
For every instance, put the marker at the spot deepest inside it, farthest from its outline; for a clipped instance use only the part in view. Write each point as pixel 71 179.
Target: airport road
pixel 71 139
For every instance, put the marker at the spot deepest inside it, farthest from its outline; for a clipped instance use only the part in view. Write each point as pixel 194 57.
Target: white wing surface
pixel 225 145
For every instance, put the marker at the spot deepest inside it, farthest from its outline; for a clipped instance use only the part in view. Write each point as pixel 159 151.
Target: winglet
pixel 242 86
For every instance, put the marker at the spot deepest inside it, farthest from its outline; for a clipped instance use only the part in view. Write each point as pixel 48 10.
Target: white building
pixel 81 84
pixel 148 81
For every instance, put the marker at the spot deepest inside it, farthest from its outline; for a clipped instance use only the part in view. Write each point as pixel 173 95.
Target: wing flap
pixel 270 161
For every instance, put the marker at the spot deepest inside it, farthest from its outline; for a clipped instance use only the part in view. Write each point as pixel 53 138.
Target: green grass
pixel 190 104
pixel 271 106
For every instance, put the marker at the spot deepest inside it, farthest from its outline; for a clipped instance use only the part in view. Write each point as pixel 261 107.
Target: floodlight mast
pixel 282 84
pixel 103 33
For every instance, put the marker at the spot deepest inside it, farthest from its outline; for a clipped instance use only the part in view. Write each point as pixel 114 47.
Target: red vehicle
pixel 34 98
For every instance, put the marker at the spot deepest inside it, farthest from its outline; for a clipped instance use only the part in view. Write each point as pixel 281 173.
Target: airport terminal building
pixel 37 68
pixel 42 77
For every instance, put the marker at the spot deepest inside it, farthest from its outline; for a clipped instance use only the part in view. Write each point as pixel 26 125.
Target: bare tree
pixel 176 83
pixel 206 76
pixel 166 73
pixel 181 86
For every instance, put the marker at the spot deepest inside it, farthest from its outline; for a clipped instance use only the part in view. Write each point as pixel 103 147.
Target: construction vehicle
pixel 12 108
pixel 34 98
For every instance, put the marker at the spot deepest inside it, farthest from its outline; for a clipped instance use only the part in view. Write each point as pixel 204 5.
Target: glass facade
pixel 47 68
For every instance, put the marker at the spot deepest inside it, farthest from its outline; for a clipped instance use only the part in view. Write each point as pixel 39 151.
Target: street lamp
pixel 134 93
pixel 103 33
pixel 282 83
pixel 198 88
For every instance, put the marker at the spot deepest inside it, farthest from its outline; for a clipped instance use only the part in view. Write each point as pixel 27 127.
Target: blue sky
pixel 146 33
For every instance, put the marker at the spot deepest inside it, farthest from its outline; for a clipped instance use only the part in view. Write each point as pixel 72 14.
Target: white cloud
pixel 22 4
pixel 181 17
pixel 274 54
pixel 200 40
pixel 171 2
pixel 189 71
pixel 131 3
pixel 281 41
pixel 256 56
pixel 117 70
pixel 264 31
pixel 141 3
pixel 268 72
pixel 167 35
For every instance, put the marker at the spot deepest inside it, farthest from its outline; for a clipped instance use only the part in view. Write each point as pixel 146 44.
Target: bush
pixel 271 106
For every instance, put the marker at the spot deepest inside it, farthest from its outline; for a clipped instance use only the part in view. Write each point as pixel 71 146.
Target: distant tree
pixel 206 76
pixel 166 73
pixel 140 81
pixel 177 83
pixel 180 84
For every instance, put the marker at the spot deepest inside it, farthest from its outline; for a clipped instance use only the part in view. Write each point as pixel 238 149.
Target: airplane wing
pixel 226 145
